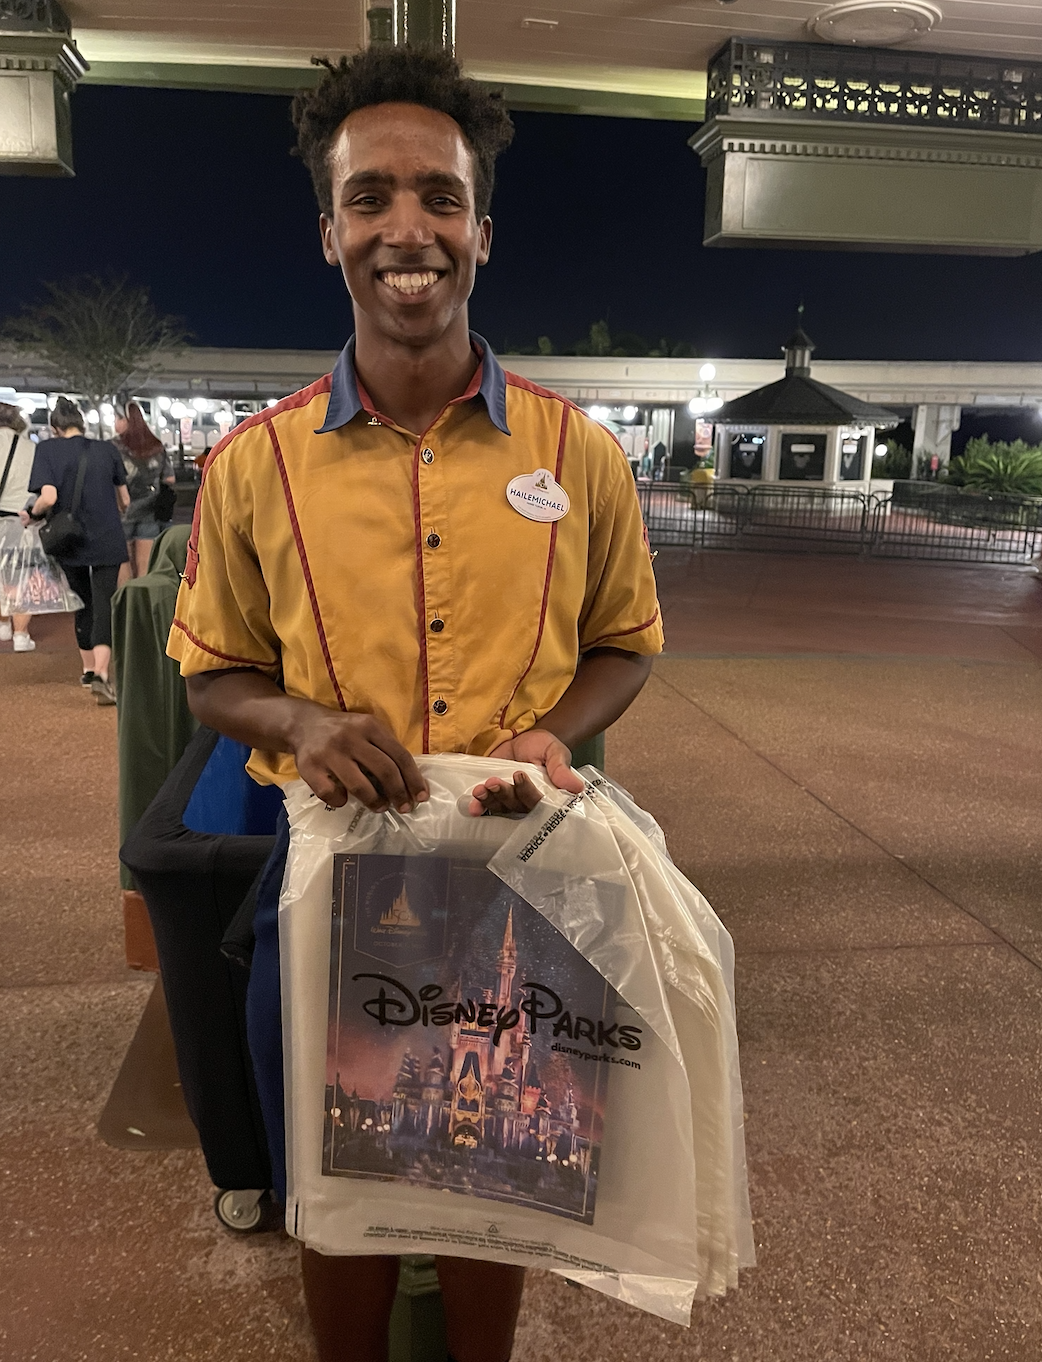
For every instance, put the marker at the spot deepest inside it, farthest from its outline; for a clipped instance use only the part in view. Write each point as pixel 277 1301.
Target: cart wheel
pixel 242 1212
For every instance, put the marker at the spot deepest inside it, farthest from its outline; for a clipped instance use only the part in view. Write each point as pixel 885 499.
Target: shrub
pixel 895 463
pixel 999 467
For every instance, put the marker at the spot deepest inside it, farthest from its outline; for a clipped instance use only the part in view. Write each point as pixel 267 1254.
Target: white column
pixel 933 426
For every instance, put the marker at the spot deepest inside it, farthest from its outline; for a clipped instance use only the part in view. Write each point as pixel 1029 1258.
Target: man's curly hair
pixel 400 75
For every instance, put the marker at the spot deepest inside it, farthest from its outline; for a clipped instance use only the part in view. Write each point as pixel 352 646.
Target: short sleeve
pixel 621 607
pixel 42 472
pixel 222 619
pixel 119 472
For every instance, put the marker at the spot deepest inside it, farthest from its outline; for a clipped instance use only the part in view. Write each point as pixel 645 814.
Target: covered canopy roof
pixel 796 400
pixel 799 400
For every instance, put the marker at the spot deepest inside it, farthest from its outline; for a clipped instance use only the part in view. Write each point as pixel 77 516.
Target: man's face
pixel 403 229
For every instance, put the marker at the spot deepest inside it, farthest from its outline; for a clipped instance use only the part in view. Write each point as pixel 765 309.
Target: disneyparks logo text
pixel 401 1007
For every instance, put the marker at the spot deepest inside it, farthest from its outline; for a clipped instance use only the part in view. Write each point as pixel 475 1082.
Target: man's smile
pixel 409 283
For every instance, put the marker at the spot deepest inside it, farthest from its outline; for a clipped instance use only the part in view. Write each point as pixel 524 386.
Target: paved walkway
pixel 847 758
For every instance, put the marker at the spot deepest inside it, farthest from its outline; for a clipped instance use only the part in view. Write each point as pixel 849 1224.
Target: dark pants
pixel 95 587
pixel 264 1007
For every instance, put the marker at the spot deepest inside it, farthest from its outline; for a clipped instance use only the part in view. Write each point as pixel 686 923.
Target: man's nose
pixel 407 226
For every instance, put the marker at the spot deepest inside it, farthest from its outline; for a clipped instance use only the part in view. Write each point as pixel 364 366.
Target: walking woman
pixel 148 469
pixel 93 566
pixel 16 461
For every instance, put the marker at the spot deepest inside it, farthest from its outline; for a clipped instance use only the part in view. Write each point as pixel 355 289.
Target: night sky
pixel 195 195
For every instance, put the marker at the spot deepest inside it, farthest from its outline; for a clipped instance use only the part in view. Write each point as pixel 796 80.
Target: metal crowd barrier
pixel 917 520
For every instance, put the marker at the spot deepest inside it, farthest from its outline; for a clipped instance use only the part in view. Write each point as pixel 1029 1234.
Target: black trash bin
pixel 196 854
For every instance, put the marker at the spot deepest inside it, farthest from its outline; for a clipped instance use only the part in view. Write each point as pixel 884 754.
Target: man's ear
pixel 325 227
pixel 484 240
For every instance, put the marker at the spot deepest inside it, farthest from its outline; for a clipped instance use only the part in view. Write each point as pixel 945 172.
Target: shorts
pixel 142 528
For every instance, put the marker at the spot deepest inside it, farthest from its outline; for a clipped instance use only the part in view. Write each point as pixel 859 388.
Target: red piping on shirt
pixel 565 409
pixel 621 633
pixel 297 399
pixel 225 657
pixel 421 601
pixel 304 564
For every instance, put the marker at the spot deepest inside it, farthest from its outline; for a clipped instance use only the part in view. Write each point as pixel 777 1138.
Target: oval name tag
pixel 538 495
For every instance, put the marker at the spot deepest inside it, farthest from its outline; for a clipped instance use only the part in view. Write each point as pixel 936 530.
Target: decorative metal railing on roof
pixel 33 16
pixel 749 78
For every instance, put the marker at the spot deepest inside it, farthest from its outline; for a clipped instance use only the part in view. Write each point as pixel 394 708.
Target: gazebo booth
pixel 799 431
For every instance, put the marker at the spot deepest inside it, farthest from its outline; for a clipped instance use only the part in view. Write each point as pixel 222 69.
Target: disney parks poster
pixel 469 1043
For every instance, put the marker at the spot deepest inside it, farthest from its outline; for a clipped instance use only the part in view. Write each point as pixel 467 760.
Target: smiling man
pixel 418 553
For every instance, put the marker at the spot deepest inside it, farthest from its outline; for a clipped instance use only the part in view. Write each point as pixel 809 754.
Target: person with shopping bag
pixel 81 492
pixel 418 553
pixel 16 461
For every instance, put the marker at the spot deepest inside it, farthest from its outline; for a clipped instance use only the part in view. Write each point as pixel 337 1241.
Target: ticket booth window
pixel 803 458
pixel 852 450
pixel 747 455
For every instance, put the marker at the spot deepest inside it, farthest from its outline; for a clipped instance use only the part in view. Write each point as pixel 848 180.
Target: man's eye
pixel 365 201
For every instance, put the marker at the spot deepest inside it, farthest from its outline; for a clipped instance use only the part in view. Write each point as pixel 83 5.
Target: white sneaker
pixel 23 643
pixel 5 630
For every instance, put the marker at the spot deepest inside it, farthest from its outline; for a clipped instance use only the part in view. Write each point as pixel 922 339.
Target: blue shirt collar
pixel 345 403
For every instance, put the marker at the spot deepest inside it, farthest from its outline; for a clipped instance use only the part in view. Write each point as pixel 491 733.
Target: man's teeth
pixel 410 283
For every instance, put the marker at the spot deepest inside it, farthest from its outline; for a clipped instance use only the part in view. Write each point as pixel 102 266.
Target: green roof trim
pixel 285 80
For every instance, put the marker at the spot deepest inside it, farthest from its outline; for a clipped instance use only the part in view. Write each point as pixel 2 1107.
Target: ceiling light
pixel 875 23
pixel 629 413
pixel 539 23
pixel 164 403
pixel 697 406
pixel 880 450
pixel 707 372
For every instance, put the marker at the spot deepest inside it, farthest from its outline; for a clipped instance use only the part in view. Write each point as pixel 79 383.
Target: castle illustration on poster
pixel 453 1005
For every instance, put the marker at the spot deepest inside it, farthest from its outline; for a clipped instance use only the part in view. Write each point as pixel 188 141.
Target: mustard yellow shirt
pixel 372 570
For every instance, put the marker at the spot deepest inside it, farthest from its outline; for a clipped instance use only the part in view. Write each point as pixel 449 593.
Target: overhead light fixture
pixel 875 23
pixel 164 403
pixel 539 23
pixel 707 373
pixel 880 450
pixel 629 413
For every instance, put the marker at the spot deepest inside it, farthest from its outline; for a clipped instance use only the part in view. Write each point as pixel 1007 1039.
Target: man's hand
pixel 354 754
pixel 337 754
pixel 539 747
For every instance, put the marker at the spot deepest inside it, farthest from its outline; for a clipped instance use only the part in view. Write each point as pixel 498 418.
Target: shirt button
pixel 437 626
pixel 433 540
pixel 427 455
pixel 439 706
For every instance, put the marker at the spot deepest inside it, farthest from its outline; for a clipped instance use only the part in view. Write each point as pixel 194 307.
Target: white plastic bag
pixel 30 582
pixel 588 1120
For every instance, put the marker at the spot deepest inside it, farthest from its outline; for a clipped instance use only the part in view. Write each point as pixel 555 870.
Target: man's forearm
pixel 606 683
pixel 249 707
pixel 337 754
